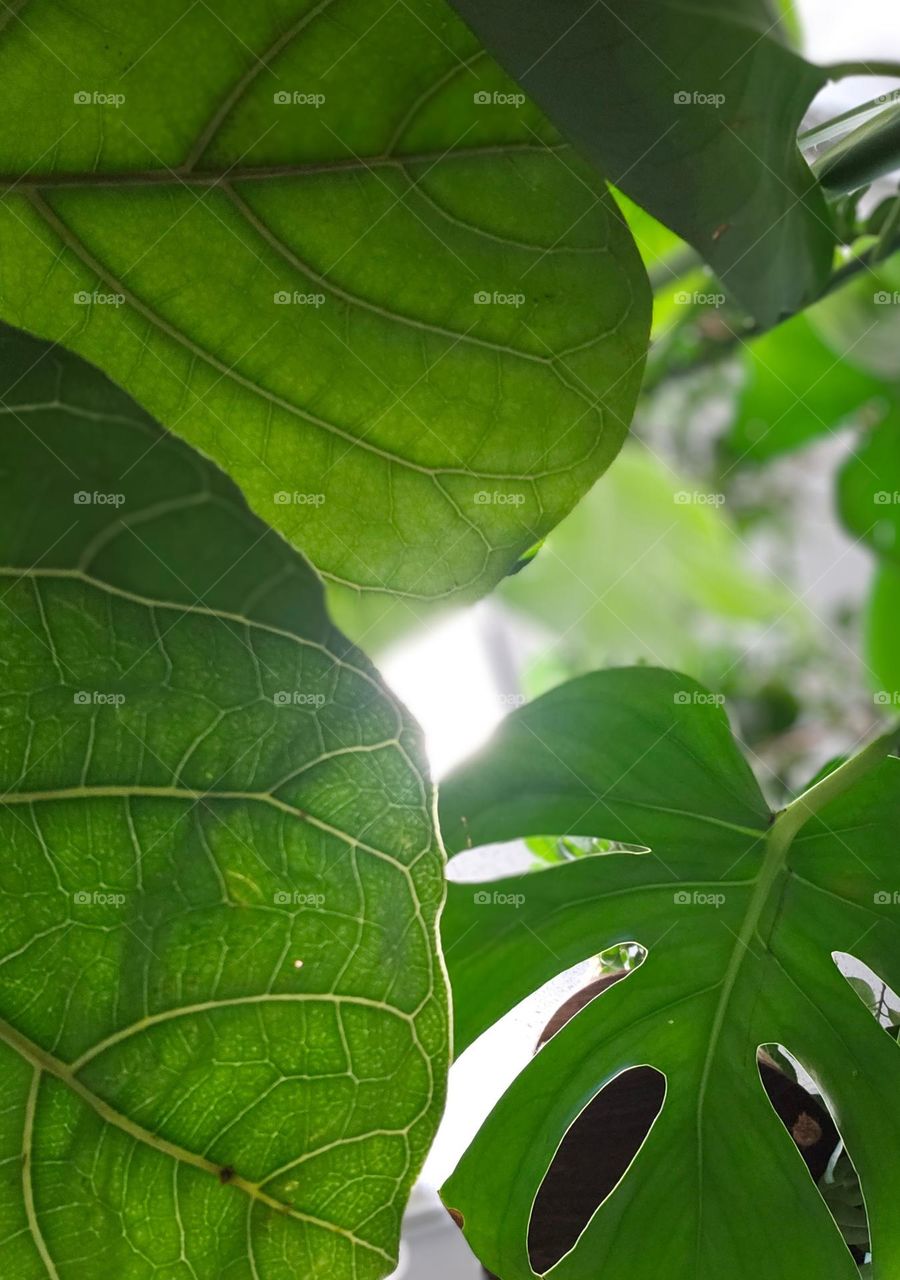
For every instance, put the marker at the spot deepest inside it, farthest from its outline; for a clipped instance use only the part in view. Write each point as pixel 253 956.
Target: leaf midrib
pixel 779 841
pixel 46 1063
pixel 180 175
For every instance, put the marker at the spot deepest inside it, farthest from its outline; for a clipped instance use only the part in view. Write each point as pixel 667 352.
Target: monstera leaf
pixel 222 1022
pixel 740 911
pixel 692 110
pixel 332 246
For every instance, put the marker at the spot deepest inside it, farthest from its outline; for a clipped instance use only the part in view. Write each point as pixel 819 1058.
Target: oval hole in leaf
pixel 809 1119
pixel 593 1157
pixel 600 1145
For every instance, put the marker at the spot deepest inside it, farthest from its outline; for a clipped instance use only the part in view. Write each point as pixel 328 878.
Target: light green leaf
pixel 335 248
pixel 795 390
pixel 740 912
pixel 869 489
pixel 881 630
pixel 693 111
pixel 222 1017
pixel 679 570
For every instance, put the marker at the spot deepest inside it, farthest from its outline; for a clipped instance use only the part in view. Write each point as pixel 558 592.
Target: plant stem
pixel 834 784
pixel 889 232
pixel 861 156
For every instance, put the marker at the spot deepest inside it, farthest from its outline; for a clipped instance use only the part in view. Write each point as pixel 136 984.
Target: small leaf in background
pixel 339 252
pixel 882 627
pixel 860 322
pixel 869 489
pixel 223 1031
pixel 679 576
pixel 796 388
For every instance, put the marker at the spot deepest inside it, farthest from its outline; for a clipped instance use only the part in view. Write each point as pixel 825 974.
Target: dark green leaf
pixel 222 1021
pixel 740 913
pixel 693 112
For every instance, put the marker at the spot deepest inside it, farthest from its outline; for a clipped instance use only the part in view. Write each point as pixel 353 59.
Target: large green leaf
pixel 222 1021
pixel 740 912
pixel 693 111
pixel 466 314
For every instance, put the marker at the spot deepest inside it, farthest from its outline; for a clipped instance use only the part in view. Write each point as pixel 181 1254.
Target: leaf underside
pixel 222 1019
pixel 740 924
pixel 381 408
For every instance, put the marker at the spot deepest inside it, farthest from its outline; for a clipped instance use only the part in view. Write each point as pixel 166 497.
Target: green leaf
pixel 222 1021
pixel 385 409
pixel 861 321
pixel 693 112
pixel 740 912
pixel 795 390
pixel 881 630
pixel 869 489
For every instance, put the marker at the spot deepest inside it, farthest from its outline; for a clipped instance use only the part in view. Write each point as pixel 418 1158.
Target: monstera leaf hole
pixel 811 1119
pixel 879 998
pixel 599 1146
pixel 597 1151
